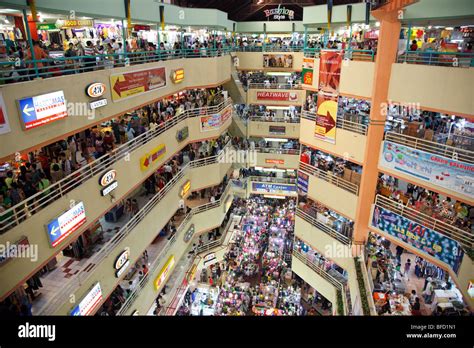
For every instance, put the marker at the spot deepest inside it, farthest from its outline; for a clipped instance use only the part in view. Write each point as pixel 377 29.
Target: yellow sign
pixel 74 23
pixel 191 273
pixel 154 155
pixel 185 189
pixel 177 75
pixel 164 272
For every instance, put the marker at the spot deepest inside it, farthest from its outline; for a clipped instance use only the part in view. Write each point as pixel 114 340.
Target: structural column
pixel 386 55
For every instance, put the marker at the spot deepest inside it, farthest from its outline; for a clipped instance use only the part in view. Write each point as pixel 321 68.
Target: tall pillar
pixel 386 55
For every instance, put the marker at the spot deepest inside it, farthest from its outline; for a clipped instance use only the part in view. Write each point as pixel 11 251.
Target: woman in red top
pixel 413 46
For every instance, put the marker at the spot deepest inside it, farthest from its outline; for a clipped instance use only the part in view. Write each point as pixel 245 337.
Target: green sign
pixel 47 26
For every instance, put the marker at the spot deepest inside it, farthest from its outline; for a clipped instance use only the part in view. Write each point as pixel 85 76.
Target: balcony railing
pixel 340 123
pixel 318 269
pixel 180 230
pixel 21 70
pixel 364 55
pixel 323 227
pixel 330 178
pixel 455 153
pixel 75 282
pixel 277 151
pixel 38 201
pixel 274 86
pixel 272 180
pixel 268 48
pixel 465 238
pixel 262 118
pixel 447 59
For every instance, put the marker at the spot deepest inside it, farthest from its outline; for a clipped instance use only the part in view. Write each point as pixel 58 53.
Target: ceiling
pixel 253 10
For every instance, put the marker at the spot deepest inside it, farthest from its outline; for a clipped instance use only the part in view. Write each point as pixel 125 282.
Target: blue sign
pixel 422 238
pixel 42 109
pixel 445 172
pixel 303 182
pixel 61 227
pixel 273 188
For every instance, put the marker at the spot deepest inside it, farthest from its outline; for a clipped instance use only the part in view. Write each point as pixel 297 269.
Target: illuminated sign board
pixel 89 302
pixel 182 134
pixel 65 224
pixel 274 161
pixel 122 262
pixel 279 13
pixel 177 76
pixel 42 109
pixel 164 272
pixel 154 155
pixel 95 90
pixel 185 189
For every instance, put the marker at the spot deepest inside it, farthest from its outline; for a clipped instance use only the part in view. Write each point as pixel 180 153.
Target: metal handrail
pixel 180 230
pixel 368 55
pixel 261 118
pixel 274 86
pixel 268 48
pixel 465 238
pixel 323 227
pixel 272 180
pixel 340 123
pixel 36 202
pixel 452 59
pixel 330 178
pixel 456 154
pixel 277 151
pixel 95 261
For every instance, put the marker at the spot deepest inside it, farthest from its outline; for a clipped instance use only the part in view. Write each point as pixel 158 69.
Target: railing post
pixel 30 42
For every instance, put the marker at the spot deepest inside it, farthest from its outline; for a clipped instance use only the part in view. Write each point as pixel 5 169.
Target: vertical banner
pixel 329 13
pixel 330 62
pixel 326 116
pixel 367 12
pixel 162 17
pixel 349 15
pixel 308 71
pixel 4 124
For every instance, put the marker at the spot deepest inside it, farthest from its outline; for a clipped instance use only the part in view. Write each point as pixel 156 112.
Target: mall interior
pixel 222 158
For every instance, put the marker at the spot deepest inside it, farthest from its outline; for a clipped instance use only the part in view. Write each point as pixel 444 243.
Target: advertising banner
pixel 133 83
pixel 279 189
pixel 213 122
pixel 42 109
pixel 326 116
pixel 164 272
pixel 308 71
pixel 424 239
pixel 274 161
pixel 89 302
pixel 61 227
pixel 4 124
pixel 330 62
pixel 302 183
pixel 278 96
pixel 154 155
pixel 277 130
pixel 278 61
pixel 441 171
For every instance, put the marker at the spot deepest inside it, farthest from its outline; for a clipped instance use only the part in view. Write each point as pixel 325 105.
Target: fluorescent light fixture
pixel 449 28
pixel 258 168
pixel 429 27
pixel 271 170
pixel 281 140
pixel 377 24
pixel 278 73
pixel 275 197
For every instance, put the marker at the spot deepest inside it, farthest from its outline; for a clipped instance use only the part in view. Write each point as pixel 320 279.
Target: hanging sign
pixel 326 116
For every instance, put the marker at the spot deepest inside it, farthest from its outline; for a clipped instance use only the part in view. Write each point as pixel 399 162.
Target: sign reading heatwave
pixel 130 84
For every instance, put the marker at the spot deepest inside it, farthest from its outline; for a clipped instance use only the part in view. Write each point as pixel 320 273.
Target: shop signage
pixel 74 23
pixel 326 116
pixel 185 189
pixel 191 274
pixel 422 238
pixel 96 89
pixel 330 62
pixel 279 189
pixel 278 61
pixel 210 259
pixel 108 177
pixel 9 250
pixel 308 71
pixel 441 171
pixel 303 180
pixel 4 123
pixel 277 96
pixel 182 134
pixel 279 130
pixel 189 233
pixel 122 262
pixel 106 190
pixel 139 27
pixel 153 156
pixel 89 302
pixel 42 109
pixel 274 161
pixel 177 75
pixel 212 122
pixel 279 13
pixel 134 83
pixel 98 103
pixel 164 272
pixel 470 288
pixel 66 223
pixel 46 26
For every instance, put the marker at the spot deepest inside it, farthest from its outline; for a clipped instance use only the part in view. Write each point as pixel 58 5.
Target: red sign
pixel 330 70
pixel 138 27
pixel 137 82
pixel 274 161
pixel 281 96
